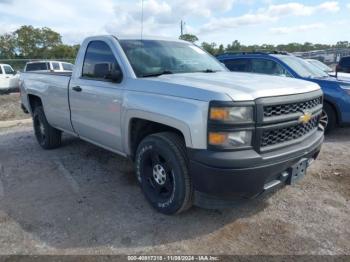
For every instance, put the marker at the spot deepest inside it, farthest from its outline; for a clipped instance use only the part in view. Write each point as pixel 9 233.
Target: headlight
pixel 235 115
pixel 235 139
pixel 346 88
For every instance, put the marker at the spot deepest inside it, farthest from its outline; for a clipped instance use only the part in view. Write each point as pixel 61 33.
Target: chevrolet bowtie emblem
pixel 305 118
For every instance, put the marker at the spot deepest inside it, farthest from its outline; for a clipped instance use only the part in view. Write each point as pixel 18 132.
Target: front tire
pixel 47 136
pixel 162 170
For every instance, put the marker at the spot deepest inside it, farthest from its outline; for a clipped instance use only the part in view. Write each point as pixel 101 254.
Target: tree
pixel 342 44
pixel 27 38
pixel 210 48
pixel 235 46
pixel 221 49
pixel 189 37
pixel 45 43
pixel 36 42
pixel 7 46
pixel 48 39
pixel 63 51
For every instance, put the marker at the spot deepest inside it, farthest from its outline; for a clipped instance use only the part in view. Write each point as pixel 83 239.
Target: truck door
pixel 8 78
pixel 2 78
pixel 96 97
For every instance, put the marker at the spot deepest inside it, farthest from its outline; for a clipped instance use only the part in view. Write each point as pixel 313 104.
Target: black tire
pixel 162 170
pixel 328 118
pixel 47 136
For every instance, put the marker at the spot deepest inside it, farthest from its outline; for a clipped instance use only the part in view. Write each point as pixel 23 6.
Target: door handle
pixel 77 88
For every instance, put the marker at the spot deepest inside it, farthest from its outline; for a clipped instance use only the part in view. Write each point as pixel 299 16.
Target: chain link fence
pixel 328 56
pixel 18 64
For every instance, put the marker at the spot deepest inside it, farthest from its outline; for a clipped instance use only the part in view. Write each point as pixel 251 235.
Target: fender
pixel 187 116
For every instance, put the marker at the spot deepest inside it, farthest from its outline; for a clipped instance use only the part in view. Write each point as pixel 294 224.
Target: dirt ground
pixel 80 199
pixel 10 107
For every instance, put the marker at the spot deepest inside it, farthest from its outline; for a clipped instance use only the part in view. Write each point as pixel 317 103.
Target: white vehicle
pixel 325 68
pixel 48 66
pixel 9 79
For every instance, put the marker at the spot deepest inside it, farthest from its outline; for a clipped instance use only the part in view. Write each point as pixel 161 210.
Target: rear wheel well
pixel 140 128
pixel 34 101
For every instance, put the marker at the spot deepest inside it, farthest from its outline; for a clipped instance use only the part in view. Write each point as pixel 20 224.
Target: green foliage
pixel 189 38
pixel 63 51
pixel 236 46
pixel 30 42
pixel 7 46
pixel 210 48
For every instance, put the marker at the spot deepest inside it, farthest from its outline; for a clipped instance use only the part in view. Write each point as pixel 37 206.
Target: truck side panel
pixel 52 89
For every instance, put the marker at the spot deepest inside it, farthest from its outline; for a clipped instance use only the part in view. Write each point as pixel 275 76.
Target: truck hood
pixel 239 86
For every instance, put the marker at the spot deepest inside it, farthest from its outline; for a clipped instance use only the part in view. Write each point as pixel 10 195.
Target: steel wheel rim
pixel 159 177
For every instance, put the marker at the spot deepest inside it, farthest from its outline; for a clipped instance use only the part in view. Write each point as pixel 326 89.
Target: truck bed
pixel 53 88
pixel 49 73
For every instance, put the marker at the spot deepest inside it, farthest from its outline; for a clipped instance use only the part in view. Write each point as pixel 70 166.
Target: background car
pixel 343 68
pixel 325 68
pixel 336 110
pixel 9 79
pixel 48 66
pixel 328 70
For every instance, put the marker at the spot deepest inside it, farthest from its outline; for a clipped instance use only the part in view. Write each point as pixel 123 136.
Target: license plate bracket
pixel 298 171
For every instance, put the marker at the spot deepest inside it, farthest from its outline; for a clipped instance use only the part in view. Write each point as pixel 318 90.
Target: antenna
pixel 182 24
pixel 141 19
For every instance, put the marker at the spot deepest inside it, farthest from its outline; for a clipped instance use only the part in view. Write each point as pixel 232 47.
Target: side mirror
pixel 115 76
pixel 337 69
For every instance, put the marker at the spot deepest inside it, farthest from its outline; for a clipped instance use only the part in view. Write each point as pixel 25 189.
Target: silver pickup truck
pixel 197 133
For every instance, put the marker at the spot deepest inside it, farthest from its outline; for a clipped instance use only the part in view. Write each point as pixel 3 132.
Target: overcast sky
pixel 221 21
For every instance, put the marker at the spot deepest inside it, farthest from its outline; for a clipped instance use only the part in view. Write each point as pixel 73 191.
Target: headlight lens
pixel 237 114
pixel 234 139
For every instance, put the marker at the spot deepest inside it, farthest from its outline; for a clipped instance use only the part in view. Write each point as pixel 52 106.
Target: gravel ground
pixel 10 106
pixel 80 199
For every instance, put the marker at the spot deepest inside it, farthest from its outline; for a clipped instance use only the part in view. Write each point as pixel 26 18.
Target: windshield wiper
pixel 165 72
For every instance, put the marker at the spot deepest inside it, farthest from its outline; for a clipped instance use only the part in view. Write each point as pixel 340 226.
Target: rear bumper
pixel 220 178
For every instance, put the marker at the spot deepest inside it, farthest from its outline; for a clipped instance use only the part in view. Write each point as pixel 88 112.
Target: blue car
pixel 336 110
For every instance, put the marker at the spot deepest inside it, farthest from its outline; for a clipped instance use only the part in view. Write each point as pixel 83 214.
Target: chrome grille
pixel 286 134
pixel 286 109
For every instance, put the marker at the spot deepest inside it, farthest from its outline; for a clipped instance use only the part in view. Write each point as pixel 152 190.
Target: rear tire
pixel 162 170
pixel 47 136
pixel 328 118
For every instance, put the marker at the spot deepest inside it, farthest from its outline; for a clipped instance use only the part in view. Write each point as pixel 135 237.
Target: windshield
pixel 156 57
pixel 303 68
pixel 8 70
pixel 320 65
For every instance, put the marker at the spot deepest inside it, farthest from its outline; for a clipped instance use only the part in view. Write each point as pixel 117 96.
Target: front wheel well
pixel 337 114
pixel 140 128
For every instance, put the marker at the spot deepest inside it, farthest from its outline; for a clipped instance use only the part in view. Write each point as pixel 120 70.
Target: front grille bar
pixel 286 109
pixel 286 134
pixel 278 119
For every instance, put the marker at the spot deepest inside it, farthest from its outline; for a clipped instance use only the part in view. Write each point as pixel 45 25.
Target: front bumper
pixel 220 178
pixel 9 90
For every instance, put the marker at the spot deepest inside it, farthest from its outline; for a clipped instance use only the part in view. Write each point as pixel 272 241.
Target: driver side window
pixel 100 63
pixel 8 70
